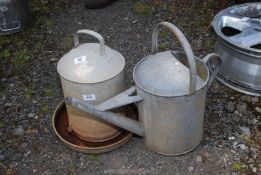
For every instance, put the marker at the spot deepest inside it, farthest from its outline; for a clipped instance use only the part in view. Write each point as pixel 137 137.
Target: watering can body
pixel 174 125
pixel 93 73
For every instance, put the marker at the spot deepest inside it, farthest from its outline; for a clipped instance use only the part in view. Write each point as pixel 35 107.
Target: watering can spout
pixel 110 117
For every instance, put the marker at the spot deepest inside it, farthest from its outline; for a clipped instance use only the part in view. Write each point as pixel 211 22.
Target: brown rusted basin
pixel 60 124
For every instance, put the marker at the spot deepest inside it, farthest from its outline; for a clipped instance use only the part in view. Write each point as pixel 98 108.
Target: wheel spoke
pixel 236 22
pixel 247 38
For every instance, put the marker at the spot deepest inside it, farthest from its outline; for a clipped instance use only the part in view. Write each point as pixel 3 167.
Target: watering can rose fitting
pixel 170 91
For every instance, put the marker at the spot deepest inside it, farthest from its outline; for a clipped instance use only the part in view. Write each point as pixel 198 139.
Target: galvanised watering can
pixel 93 73
pixel 170 92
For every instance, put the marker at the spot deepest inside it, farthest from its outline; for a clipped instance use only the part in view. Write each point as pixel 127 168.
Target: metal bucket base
pixel 60 124
pixel 22 28
pixel 176 154
pixel 237 86
pixel 96 140
pixel 2 33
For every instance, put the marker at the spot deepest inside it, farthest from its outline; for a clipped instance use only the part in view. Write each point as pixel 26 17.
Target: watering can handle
pixel 213 62
pixel 185 44
pixel 92 33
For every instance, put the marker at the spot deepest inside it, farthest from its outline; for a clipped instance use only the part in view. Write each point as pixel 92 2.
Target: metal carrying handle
pixel 186 46
pixel 213 62
pixel 92 33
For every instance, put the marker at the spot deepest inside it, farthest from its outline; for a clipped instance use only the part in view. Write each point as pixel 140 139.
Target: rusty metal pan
pixel 60 124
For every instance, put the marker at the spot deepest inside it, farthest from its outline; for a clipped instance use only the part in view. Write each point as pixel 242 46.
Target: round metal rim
pixel 222 36
pixel 178 154
pixel 232 47
pixel 236 87
pixel 87 150
pixel 159 95
pixel 95 82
